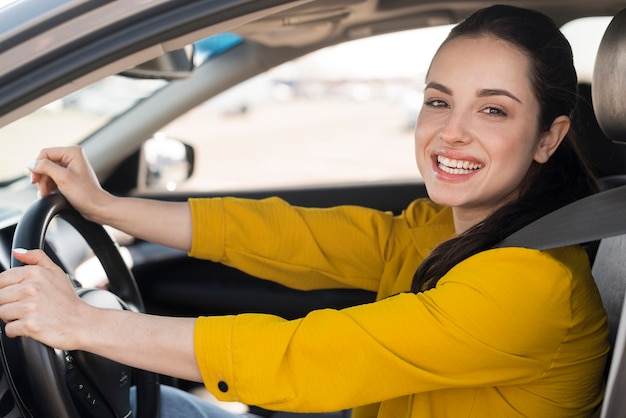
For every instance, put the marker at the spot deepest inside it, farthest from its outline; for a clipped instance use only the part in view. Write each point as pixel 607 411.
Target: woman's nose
pixel 455 129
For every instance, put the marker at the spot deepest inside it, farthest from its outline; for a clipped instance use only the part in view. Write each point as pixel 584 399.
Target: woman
pixel 459 329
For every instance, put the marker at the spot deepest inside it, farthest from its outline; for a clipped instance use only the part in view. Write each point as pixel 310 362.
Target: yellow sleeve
pixel 304 248
pixel 498 318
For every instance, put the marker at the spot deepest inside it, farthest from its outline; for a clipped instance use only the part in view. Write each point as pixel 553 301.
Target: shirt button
pixel 222 386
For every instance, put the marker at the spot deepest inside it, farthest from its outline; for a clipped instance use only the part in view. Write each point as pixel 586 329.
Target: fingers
pixel 34 257
pixel 21 304
pixel 29 258
pixel 48 176
pixel 57 168
pixel 20 293
pixel 37 300
pixel 61 155
pixel 19 300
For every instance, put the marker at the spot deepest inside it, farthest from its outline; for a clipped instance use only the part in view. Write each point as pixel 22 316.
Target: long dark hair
pixel 564 178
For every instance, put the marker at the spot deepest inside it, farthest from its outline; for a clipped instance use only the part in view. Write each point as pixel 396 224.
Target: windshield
pixel 69 120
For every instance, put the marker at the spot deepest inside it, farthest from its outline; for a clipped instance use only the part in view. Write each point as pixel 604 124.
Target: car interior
pixel 206 288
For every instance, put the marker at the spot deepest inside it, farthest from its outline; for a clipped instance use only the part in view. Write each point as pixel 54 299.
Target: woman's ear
pixel 551 139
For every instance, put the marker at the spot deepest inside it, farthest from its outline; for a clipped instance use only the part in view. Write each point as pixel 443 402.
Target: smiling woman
pixel 303 229
pixel 476 330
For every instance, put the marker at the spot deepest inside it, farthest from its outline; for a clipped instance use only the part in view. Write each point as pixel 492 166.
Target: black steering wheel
pixel 47 382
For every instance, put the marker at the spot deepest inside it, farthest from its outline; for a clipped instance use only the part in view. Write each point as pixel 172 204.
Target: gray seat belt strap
pixel 594 217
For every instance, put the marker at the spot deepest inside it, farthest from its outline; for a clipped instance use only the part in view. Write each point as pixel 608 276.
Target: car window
pixel 585 35
pixel 344 114
pixel 68 120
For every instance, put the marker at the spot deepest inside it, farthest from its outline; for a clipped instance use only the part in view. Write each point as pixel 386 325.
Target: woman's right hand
pixel 67 170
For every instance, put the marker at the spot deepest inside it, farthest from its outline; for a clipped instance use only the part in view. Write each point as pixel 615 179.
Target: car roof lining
pixel 352 19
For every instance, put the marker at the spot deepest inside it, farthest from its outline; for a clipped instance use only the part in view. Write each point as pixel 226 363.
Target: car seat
pixel 609 268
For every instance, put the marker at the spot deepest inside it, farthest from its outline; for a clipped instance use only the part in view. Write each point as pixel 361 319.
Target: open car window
pixel 319 120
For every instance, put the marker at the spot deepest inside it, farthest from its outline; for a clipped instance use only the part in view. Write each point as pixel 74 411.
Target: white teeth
pixel 452 166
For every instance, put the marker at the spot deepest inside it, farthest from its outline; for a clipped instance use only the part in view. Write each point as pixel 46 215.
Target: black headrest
pixel 609 80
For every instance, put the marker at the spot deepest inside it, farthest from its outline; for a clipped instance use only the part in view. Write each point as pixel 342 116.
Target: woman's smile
pixel 456 167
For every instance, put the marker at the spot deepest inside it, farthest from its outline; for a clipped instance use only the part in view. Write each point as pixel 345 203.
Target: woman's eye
pixel 436 103
pixel 494 111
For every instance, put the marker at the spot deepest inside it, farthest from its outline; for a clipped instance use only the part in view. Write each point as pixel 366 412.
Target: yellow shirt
pixel 508 332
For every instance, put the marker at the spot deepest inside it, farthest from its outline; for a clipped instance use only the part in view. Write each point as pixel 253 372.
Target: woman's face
pixel 477 133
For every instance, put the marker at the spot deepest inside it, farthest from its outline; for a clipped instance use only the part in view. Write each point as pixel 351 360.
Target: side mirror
pixel 164 163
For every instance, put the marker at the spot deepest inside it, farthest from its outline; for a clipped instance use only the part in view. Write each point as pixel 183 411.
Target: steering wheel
pixel 48 382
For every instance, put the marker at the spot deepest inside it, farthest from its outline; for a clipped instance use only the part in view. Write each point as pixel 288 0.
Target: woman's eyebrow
pixel 437 86
pixel 481 93
pixel 497 92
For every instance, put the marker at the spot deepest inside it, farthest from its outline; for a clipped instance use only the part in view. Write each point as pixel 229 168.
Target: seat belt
pixel 594 217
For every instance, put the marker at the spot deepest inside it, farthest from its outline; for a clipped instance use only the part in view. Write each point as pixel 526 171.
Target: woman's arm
pixel 303 248
pixel 503 318
pixel 166 223
pixel 68 171
pixel 38 301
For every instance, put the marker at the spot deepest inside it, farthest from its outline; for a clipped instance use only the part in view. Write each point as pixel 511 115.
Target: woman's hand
pixel 38 301
pixel 66 169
